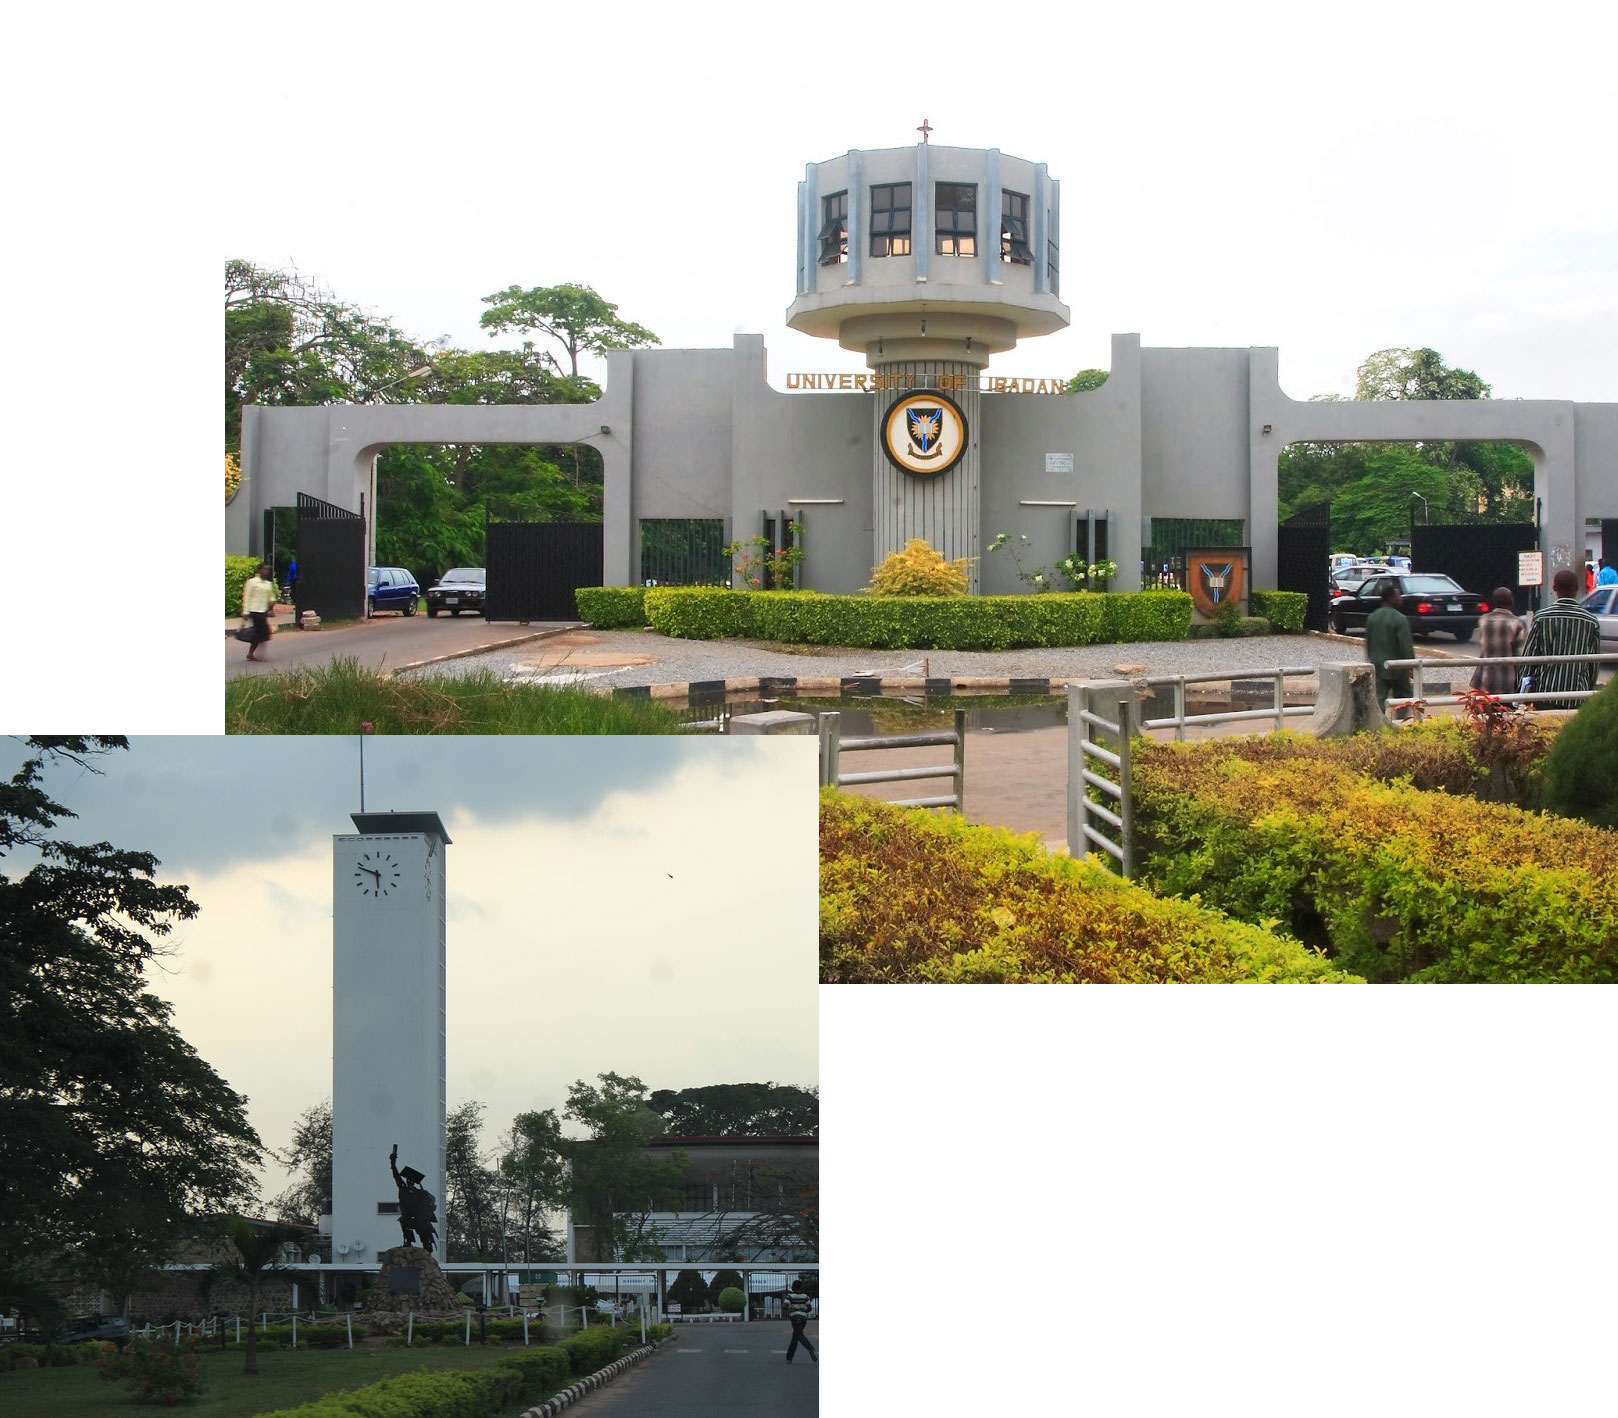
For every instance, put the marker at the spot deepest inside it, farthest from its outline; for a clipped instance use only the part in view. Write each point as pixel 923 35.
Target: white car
pixel 1603 602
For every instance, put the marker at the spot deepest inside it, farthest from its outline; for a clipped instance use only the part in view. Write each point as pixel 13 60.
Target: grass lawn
pixel 336 698
pixel 285 1378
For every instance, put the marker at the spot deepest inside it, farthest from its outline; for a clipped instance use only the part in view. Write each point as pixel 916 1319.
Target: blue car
pixel 391 588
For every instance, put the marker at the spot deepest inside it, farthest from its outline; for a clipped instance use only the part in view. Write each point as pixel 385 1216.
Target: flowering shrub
pixel 919 570
pixel 757 562
pixel 154 1371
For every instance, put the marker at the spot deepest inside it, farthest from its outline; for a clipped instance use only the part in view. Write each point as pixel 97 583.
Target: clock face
pixel 376 874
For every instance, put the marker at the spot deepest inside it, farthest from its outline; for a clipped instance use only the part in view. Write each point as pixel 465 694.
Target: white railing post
pixel 348 1319
pixel 1179 710
pixel 960 761
pixel 1280 700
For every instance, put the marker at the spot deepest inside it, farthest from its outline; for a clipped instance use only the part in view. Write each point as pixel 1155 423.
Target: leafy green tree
pixel 688 1291
pixel 739 1110
pixel 1086 380
pixel 472 1212
pixel 113 1131
pixel 535 1179
pixel 1415 374
pixel 574 316
pixel 783 1203
pixel 289 342
pixel 616 1181
pixel 310 1152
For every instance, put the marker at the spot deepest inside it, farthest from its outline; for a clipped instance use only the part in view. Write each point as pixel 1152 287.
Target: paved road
pixel 388 642
pixel 718 1371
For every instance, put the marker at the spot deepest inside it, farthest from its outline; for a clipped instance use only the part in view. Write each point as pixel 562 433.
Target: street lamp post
pixel 1425 519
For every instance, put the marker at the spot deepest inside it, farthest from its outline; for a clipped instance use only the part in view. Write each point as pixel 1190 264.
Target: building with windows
pixel 930 262
pixel 745 1200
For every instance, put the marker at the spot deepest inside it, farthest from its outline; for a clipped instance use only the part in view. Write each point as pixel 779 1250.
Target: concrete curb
pixel 863 685
pixel 552 1406
pixel 480 649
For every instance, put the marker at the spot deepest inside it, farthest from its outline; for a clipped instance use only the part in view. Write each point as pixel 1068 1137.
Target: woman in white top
pixel 258 598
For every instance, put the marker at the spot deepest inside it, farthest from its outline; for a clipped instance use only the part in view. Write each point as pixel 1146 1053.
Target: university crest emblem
pixel 924 433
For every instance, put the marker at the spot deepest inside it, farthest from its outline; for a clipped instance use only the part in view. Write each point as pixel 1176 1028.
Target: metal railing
pixel 1105 707
pixel 1279 710
pixel 1419 668
pixel 833 745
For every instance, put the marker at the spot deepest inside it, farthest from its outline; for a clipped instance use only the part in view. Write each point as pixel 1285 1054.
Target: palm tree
pixel 258 1250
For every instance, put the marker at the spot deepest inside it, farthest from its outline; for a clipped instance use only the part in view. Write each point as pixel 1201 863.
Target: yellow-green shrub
pixel 238 572
pixel 918 570
pixel 1397 881
pixel 609 607
pixel 1285 610
pixel 906 896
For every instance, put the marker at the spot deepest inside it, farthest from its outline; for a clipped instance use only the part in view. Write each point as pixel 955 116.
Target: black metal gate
pixel 1303 560
pixel 331 560
pixel 535 567
pixel 1479 555
pixel 1609 541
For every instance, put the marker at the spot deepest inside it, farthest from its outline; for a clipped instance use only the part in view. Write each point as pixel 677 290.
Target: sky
pixel 638 906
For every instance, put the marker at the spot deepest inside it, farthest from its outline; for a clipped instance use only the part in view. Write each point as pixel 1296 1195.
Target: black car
pixel 1431 602
pixel 459 589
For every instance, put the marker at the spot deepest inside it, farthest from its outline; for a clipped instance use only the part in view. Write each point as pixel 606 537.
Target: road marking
pixel 735 1351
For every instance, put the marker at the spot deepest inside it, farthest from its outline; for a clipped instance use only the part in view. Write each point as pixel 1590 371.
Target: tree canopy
pixel 1371 486
pixel 738 1110
pixel 114 1132
pixel 574 316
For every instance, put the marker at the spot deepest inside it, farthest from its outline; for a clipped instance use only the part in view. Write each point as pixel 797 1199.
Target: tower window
pixel 1014 229
pixel 955 225
pixel 890 219
pixel 834 229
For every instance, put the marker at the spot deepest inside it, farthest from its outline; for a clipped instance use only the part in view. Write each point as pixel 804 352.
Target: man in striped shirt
pixel 1563 629
pixel 798 1313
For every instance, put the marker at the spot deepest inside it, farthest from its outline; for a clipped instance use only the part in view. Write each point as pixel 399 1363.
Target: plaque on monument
pixel 404 1280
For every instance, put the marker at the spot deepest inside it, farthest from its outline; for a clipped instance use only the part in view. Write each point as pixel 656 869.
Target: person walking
pixel 1565 628
pixel 258 599
pixel 1503 635
pixel 1387 637
pixel 798 1313
pixel 1608 575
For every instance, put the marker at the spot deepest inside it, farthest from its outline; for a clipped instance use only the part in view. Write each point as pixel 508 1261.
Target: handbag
pixel 244 631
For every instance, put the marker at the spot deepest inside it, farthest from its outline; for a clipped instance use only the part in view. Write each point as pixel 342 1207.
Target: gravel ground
pixel 682 661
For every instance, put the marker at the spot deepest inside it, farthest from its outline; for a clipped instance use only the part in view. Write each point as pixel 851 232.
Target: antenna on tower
pixel 365 727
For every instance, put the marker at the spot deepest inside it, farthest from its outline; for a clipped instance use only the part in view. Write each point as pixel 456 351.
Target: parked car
pixel 391 588
pixel 1431 602
pixel 82 1329
pixel 1348 579
pixel 1603 604
pixel 458 589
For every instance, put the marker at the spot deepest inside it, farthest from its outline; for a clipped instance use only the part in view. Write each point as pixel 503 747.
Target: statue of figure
pixel 417 1211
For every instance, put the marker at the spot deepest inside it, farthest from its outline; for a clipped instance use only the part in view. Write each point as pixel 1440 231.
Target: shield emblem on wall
pixel 1217 576
pixel 923 424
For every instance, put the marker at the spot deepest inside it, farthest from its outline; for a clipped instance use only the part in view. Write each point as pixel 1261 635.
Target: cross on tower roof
pixel 925 129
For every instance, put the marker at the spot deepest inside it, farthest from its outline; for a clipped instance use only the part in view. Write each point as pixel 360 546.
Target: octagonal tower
pixel 928 261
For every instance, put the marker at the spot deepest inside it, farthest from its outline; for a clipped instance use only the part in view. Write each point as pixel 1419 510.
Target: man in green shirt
pixel 798 1313
pixel 1387 637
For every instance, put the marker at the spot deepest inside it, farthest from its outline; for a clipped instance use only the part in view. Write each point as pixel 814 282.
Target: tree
pixel 113 1131
pixel 578 319
pixel 739 1110
pixel 258 1249
pixel 616 1181
pixel 472 1224
pixel 535 1180
pixel 1086 380
pixel 1415 374
pixel 289 342
pixel 688 1291
pixel 306 1199
pixel 783 1203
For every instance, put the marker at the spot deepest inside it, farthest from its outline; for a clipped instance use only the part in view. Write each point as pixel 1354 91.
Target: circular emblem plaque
pixel 924 433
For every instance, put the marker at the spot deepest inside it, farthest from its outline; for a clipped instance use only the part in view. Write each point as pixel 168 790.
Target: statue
pixel 417 1211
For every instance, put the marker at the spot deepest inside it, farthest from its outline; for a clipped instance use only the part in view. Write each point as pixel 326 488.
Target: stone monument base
pixel 410 1283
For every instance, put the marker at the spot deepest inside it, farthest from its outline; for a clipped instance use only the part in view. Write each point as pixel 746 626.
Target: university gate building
pixel 929 261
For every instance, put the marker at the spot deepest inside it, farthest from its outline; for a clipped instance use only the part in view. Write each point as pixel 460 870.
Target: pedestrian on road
pixel 1565 628
pixel 258 598
pixel 1387 637
pixel 292 579
pixel 1503 635
pixel 798 1313
pixel 1608 575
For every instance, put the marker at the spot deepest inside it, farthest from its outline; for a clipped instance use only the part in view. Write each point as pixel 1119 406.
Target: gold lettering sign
pixel 954 383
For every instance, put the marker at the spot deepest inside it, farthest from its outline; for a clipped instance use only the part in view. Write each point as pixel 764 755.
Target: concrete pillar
pixel 1346 703
pixel 775 721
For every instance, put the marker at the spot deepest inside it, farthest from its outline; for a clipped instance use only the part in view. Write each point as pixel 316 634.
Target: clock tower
pixel 388 1014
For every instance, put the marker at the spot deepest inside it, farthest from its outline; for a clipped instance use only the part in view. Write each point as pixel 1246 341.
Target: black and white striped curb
pixel 555 1404
pixel 861 685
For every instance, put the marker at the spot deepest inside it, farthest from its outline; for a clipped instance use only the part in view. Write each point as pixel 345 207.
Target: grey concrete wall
pixel 1194 432
pixel 808 453
pixel 1595 441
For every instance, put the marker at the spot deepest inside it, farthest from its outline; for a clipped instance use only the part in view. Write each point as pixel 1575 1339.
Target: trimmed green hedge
pixel 612 607
pixel 1581 771
pixel 596 1347
pixel 918 622
pixel 238 572
pixel 1396 881
pixel 906 896
pixel 1285 610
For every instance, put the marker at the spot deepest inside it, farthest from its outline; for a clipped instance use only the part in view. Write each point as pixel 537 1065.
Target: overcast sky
pixel 640 906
